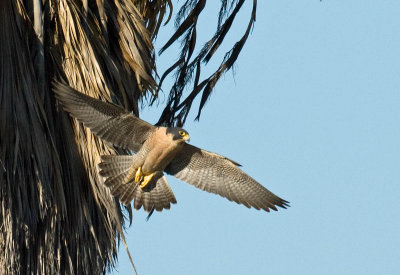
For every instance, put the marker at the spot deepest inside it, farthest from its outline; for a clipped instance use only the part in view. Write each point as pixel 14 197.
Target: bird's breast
pixel 159 156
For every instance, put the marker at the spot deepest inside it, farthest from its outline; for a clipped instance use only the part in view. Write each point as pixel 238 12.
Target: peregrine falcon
pixel 140 177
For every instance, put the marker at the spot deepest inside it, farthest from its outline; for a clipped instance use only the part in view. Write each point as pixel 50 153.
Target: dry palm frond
pixel 188 68
pixel 56 216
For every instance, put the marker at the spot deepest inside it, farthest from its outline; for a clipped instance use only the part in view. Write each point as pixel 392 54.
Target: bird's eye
pixel 181 133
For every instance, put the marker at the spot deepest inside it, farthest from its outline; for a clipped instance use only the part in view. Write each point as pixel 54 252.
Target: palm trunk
pixel 56 216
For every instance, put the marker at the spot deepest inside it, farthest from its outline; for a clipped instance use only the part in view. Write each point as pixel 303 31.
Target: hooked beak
pixel 186 138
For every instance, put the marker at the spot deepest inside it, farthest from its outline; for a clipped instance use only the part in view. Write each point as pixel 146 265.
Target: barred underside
pixel 156 195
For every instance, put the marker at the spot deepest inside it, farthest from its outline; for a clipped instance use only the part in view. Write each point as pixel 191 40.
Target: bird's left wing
pixel 216 174
pixel 106 120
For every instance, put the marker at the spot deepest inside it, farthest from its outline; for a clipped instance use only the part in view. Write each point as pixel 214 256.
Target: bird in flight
pixel 158 150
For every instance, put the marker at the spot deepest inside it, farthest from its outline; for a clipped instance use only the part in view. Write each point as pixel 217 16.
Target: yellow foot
pixel 138 174
pixel 146 180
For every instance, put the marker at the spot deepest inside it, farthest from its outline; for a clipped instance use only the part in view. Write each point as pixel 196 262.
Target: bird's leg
pixel 138 174
pixel 131 173
pixel 146 180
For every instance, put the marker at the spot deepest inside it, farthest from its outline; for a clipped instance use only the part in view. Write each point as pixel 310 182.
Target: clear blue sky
pixel 313 113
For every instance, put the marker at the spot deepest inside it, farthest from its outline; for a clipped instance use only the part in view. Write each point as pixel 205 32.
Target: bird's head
pixel 178 134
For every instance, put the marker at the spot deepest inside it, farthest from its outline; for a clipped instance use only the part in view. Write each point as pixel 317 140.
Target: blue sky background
pixel 313 114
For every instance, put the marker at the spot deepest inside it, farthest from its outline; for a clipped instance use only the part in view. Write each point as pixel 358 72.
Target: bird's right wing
pixel 217 174
pixel 106 120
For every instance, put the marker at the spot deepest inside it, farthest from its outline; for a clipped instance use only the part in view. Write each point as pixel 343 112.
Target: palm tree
pixel 55 214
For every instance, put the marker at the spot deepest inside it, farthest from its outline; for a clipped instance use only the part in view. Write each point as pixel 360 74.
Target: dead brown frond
pixel 56 216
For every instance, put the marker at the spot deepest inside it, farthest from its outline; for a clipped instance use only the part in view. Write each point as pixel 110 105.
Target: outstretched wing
pixel 106 120
pixel 216 174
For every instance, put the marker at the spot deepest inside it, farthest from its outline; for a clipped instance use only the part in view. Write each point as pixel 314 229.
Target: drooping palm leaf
pixel 188 68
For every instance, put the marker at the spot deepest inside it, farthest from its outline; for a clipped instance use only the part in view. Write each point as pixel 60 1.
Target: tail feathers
pixel 115 165
pixel 156 195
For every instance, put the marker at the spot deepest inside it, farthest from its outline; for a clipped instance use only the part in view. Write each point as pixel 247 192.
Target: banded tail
pixel 156 195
